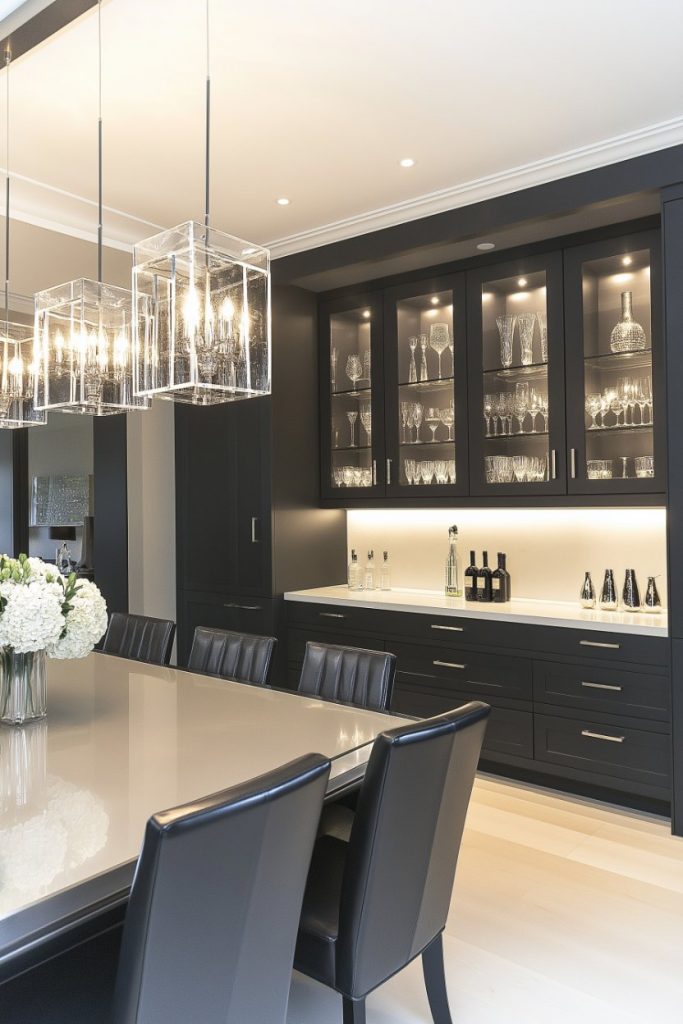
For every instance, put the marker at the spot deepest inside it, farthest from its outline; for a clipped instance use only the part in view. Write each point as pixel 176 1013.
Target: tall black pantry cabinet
pixel 248 525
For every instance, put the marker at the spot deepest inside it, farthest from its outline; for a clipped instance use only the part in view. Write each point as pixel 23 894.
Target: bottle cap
pixel 386 556
pixel 453 529
pixel 371 554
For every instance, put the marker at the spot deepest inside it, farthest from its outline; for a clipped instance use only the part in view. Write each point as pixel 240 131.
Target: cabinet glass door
pixel 426 417
pixel 517 390
pixel 352 428
pixel 614 403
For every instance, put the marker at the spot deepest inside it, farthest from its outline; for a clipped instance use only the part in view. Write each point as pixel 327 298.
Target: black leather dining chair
pixel 139 637
pixel 348 674
pixel 239 656
pixel 379 899
pixel 210 929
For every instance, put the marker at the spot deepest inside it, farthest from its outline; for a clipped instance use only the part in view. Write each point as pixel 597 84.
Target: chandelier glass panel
pixel 203 316
pixel 17 377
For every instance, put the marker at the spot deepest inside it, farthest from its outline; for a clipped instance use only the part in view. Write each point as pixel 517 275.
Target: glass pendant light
pixel 17 364
pixel 203 308
pixel 84 331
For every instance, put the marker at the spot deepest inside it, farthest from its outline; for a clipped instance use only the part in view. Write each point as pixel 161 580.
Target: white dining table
pixel 121 741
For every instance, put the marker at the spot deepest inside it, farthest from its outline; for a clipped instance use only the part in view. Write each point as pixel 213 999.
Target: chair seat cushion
pixel 316 946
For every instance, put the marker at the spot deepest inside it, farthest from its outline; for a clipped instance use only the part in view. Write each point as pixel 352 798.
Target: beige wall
pixel 151 511
pixel 548 549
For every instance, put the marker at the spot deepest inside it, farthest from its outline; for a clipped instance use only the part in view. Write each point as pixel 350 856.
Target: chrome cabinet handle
pixel 254 521
pixel 596 643
pixel 244 607
pixel 451 629
pixel 478 682
pixel 602 736
pixel 374 471
pixel 331 615
pixel 553 464
pixel 572 463
pixel 388 471
pixel 448 664
pixel 601 686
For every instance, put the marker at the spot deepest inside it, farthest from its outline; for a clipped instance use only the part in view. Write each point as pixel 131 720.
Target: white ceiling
pixel 318 100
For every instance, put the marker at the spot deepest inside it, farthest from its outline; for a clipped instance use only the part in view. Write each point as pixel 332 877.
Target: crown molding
pixel 654 137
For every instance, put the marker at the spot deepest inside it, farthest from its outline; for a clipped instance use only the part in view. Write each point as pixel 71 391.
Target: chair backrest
pixel 348 674
pixel 211 924
pixel 139 637
pixel 404 844
pixel 239 656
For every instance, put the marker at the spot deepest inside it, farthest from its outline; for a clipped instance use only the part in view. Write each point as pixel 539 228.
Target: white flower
pixel 32 618
pixel 86 622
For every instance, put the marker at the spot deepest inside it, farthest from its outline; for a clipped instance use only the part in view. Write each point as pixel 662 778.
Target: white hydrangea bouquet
pixel 42 613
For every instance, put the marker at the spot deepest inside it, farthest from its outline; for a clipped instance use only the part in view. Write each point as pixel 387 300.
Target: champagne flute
pixel 352 417
pixel 412 372
pixel 406 416
pixel 501 409
pixel 418 411
pixel 366 420
pixel 521 404
pixel 489 403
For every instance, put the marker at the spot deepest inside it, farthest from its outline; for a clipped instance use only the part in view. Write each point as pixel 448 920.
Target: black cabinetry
pixel 249 524
pixel 590 708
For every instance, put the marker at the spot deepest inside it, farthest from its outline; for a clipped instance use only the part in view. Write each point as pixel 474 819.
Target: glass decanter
pixel 627 335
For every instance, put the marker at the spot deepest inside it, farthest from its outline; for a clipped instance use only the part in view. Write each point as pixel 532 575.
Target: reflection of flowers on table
pixel 70 830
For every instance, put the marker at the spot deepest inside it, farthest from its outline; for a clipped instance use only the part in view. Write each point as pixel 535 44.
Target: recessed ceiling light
pixel 435 300
pixel 627 261
pixel 366 314
pixel 485 246
pixel 282 201
pixel 407 161
pixel 521 282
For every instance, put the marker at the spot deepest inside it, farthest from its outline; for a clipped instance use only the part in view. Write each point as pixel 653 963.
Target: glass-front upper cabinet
pixel 352 423
pixel 517 377
pixel 614 384
pixel 426 388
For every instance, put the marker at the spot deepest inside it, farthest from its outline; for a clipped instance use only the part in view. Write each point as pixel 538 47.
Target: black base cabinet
pixel 583 710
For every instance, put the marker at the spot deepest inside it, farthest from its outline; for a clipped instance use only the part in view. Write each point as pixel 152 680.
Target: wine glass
pixel 424 373
pixel 534 407
pixel 448 418
pixel 352 417
pixel 645 393
pixel 418 411
pixel 618 407
pixel 412 372
pixel 593 407
pixel 544 410
pixel 366 420
pixel 438 340
pixel 489 404
pixel 406 417
pixel 354 370
pixel 502 410
pixel 521 404
pixel 433 419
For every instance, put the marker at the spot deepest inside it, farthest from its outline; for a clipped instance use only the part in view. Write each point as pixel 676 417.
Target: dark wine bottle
pixel 484 588
pixel 499 581
pixel 471 573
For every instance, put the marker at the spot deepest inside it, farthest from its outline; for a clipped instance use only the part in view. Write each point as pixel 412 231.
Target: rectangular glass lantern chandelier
pixel 203 305
pixel 84 342
pixel 17 377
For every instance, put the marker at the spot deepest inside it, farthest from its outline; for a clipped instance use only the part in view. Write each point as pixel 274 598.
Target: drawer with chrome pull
pixel 632 648
pixel 487 676
pixel 600 688
pixel 335 617
pixel 609 751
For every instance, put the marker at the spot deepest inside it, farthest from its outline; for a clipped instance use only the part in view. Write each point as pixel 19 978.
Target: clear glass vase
pixel 23 686
pixel 627 335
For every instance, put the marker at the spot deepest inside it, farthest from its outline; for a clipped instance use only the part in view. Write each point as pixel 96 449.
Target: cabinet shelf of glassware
pixel 614 367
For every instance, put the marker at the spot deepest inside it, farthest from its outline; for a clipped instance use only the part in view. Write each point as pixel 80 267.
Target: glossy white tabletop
pixel 520 610
pixel 123 740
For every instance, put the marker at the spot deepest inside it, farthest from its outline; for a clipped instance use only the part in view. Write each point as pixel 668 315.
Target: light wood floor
pixel 564 911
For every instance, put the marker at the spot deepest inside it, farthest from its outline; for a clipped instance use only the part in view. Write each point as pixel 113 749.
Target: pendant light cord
pixel 8 58
pixel 99 143
pixel 207 179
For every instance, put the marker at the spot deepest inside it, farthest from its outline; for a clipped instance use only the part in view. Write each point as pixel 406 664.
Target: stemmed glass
pixel 366 420
pixel 406 417
pixel 451 346
pixel 535 403
pixel 354 370
pixel 424 373
pixel 525 323
pixel 506 329
pixel 489 405
pixel 593 407
pixel 412 372
pixel 544 410
pixel 448 418
pixel 542 318
pixel 645 399
pixel 417 419
pixel 439 336
pixel 433 419
pixel 333 367
pixel 502 410
pixel 521 404
pixel 617 406
pixel 352 417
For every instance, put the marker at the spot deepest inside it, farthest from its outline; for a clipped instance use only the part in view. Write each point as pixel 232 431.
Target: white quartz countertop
pixel 540 613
